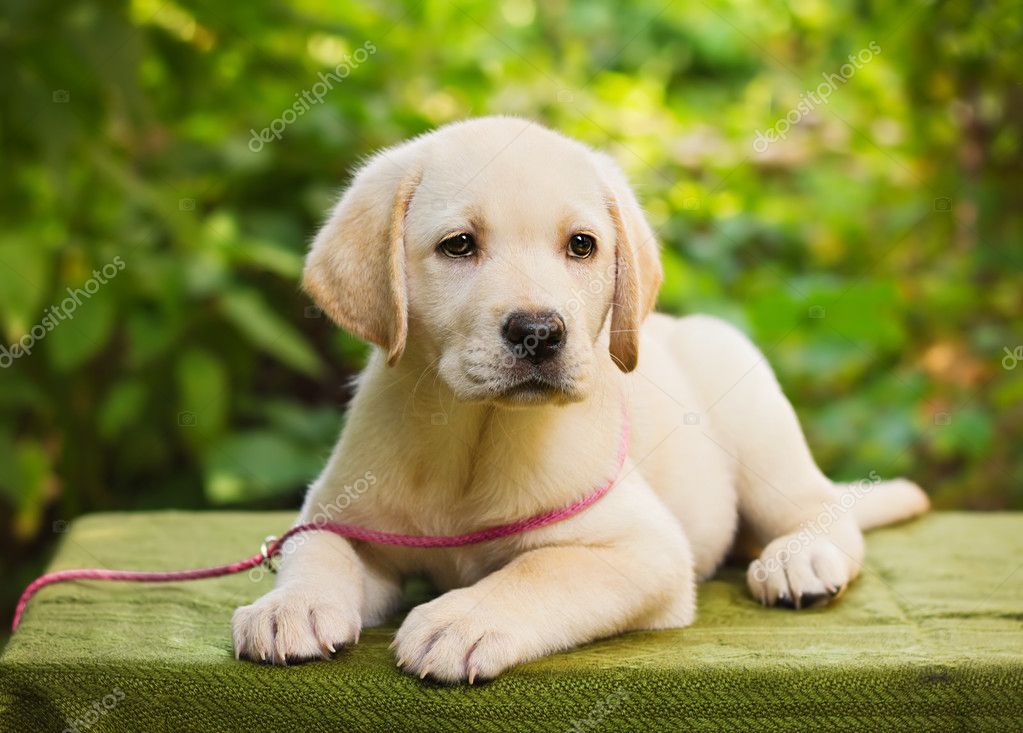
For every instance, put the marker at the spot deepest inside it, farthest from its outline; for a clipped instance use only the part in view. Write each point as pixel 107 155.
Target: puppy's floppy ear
pixel 638 272
pixel 355 270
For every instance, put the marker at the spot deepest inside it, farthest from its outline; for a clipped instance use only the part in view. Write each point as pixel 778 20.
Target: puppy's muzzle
pixel 534 336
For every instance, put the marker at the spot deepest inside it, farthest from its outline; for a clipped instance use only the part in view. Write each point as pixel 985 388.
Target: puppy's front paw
pixel 797 574
pixel 294 625
pixel 456 638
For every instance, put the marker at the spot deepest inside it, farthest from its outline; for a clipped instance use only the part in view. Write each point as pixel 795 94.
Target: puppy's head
pixel 506 255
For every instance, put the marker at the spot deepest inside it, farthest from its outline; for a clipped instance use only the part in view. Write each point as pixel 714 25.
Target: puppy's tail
pixel 877 503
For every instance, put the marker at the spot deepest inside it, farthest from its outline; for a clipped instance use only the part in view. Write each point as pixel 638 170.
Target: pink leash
pixel 273 545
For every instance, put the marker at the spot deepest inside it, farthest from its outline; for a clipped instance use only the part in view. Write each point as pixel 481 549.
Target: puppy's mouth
pixel 521 384
pixel 533 388
pixel 536 390
pixel 532 385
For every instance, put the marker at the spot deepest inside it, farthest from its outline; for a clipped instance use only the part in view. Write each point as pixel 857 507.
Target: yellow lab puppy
pixel 507 274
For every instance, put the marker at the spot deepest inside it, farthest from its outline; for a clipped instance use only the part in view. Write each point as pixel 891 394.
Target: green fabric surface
pixel 929 638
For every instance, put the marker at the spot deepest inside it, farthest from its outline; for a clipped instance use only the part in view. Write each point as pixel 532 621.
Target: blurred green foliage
pixel 874 253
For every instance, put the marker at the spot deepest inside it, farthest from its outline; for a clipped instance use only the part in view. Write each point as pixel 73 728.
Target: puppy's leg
pixel 545 600
pixel 314 609
pixel 382 591
pixel 814 549
pixel 814 546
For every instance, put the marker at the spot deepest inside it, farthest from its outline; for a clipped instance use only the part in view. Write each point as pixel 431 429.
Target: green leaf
pixel 248 311
pixel 24 275
pixel 257 465
pixel 314 426
pixel 204 391
pixel 8 468
pixel 85 330
pixel 149 335
pixel 774 315
pixel 121 408
pixel 967 431
pixel 268 256
pixel 24 481
pixel 868 313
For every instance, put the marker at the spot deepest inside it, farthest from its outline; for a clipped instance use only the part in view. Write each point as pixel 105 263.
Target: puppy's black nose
pixel 535 337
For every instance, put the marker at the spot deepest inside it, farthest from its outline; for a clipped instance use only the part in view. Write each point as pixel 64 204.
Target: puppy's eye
pixel 460 245
pixel 581 246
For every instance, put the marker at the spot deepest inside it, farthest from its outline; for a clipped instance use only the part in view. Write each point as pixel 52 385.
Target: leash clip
pixel 270 562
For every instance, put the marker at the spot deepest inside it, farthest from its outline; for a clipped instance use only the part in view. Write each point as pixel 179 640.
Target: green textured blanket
pixel 931 637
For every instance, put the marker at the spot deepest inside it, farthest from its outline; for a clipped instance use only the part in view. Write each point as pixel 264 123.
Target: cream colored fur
pixel 452 446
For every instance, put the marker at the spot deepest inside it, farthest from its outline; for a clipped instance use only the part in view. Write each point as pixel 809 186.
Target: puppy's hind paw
pixel 791 574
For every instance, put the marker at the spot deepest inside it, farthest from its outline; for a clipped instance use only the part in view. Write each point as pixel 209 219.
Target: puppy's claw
pixel 426 671
pixel 472 674
pixel 809 600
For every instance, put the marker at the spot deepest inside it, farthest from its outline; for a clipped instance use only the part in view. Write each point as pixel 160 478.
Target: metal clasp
pixel 270 562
